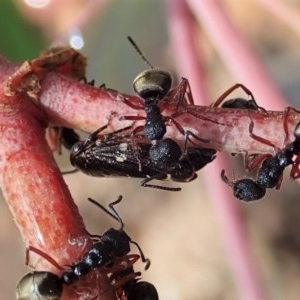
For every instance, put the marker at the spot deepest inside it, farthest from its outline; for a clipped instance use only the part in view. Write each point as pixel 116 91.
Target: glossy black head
pixel 119 241
pixel 194 160
pixel 199 158
pixel 240 103
pixel 68 137
pixel 142 291
pixel 39 285
pixel 76 150
pixel 183 171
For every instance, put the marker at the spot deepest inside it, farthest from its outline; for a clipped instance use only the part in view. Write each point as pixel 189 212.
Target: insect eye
pixel 77 148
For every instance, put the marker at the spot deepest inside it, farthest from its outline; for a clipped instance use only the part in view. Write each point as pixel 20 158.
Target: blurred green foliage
pixel 19 40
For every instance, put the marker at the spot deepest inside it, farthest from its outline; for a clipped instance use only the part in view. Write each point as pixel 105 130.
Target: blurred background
pixel 180 232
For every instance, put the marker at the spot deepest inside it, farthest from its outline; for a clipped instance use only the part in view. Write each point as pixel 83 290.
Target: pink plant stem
pixel 236 53
pixel 226 208
pixel 69 103
pixel 33 186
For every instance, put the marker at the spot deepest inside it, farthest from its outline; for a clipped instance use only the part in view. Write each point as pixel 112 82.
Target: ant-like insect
pixel 270 173
pixel 154 87
pixel 134 156
pixel 113 245
pixel 237 103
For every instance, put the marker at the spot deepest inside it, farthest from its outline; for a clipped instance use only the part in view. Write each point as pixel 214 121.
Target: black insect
pixel 238 103
pixel 128 155
pixel 140 290
pixel 67 137
pixel 270 173
pixel 134 156
pixel 112 245
pixel 152 85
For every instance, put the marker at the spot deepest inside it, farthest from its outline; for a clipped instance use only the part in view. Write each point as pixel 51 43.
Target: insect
pixel 141 290
pixel 129 155
pixel 112 245
pixel 270 173
pixel 237 103
pixel 152 85
pixel 67 137
pixel 154 89
pixel 164 156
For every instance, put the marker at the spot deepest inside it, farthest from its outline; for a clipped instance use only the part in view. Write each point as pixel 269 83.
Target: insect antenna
pixel 143 258
pixel 113 213
pixel 138 50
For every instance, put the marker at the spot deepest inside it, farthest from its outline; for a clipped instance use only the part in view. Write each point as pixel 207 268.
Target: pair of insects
pixel 144 152
pixel 108 255
pixel 151 156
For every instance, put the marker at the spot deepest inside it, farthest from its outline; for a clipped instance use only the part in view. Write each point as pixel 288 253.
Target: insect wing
pixel 115 158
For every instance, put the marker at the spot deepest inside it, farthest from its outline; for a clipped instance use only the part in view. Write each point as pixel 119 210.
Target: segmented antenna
pixel 135 46
pixel 113 213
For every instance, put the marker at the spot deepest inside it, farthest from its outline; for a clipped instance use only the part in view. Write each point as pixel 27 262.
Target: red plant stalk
pixel 30 173
pixel 31 181
pixel 33 187
pixel 72 104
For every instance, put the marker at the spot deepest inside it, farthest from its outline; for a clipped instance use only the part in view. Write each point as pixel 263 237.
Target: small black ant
pixel 270 173
pixel 238 103
pixel 134 156
pixel 112 245
pixel 152 85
